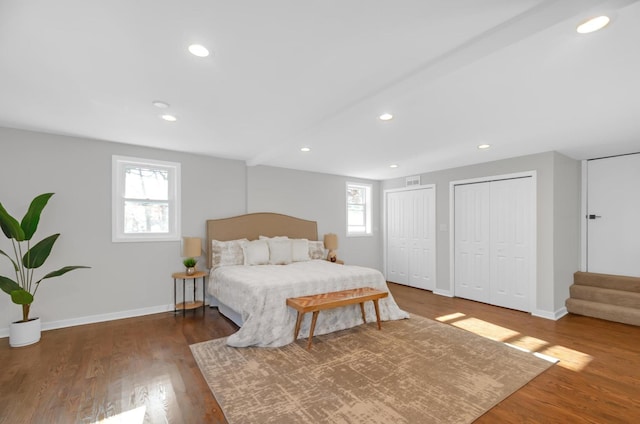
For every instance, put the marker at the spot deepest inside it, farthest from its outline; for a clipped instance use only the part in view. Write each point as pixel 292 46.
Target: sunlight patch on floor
pixel 486 329
pixel 569 358
pixel 565 357
pixel 537 354
pixel 529 343
pixel 450 317
pixel 133 416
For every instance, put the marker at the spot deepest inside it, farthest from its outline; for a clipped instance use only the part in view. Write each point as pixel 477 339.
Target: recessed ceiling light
pixel 393 165
pixel 160 104
pixel 386 117
pixel 593 24
pixel 305 149
pixel 170 118
pixel 484 146
pixel 198 50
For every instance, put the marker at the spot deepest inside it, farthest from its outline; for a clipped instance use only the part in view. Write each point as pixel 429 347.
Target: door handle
pixel 593 216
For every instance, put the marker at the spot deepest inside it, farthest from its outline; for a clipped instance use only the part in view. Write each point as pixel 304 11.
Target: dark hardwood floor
pixel 144 366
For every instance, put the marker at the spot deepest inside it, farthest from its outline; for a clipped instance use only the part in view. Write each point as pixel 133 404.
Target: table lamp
pixel 331 243
pixel 191 248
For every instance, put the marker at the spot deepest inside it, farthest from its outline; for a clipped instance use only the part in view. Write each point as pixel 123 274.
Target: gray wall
pixel 558 188
pixel 318 197
pixel 566 225
pixel 126 278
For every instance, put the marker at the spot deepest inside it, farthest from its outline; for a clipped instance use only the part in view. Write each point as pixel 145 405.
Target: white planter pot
pixel 24 333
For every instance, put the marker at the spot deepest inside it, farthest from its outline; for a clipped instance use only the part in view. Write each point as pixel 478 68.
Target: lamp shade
pixel 331 241
pixel 191 247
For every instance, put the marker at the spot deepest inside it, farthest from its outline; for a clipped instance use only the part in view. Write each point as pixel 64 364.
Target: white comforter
pixel 259 294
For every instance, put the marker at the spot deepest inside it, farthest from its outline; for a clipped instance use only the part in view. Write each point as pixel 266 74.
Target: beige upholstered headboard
pixel 253 225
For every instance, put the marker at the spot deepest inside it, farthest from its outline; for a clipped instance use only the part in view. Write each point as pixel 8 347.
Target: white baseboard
pixel 92 319
pixel 550 315
pixel 446 293
pixel 561 312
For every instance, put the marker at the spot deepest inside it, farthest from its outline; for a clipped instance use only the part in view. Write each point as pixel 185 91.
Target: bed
pixel 251 289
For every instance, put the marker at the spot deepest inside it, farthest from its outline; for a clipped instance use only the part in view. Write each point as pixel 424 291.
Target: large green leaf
pixel 21 297
pixel 31 219
pixel 7 285
pixel 10 226
pixel 62 271
pixel 35 257
pixel 15 265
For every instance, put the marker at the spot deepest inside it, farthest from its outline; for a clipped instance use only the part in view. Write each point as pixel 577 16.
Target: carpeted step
pixel 607 281
pixel 613 297
pixel 600 310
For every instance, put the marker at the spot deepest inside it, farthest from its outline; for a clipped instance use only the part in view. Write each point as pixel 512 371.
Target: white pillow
pixel 224 253
pixel 273 238
pixel 300 250
pixel 316 249
pixel 279 251
pixel 256 252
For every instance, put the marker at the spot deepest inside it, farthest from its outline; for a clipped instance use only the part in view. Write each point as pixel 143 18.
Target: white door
pixel 397 238
pixel 613 215
pixel 472 221
pixel 411 237
pixel 493 242
pixel 422 258
pixel 510 257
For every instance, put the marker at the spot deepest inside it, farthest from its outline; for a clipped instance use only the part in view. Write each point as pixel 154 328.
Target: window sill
pixel 137 239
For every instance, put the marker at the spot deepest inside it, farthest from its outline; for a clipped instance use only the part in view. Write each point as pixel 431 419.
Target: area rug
pixel 412 371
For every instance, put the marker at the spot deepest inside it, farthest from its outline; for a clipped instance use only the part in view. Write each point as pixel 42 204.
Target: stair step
pixel 607 281
pixel 601 310
pixel 613 297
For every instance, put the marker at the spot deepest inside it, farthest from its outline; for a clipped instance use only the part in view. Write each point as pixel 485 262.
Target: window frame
pixel 119 164
pixel 368 232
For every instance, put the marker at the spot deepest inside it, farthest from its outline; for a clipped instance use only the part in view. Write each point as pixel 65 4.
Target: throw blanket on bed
pixel 259 294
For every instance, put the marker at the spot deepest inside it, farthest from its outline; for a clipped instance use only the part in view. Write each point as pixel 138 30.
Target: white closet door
pixel 471 238
pixel 511 222
pixel 411 237
pixel 397 238
pixel 422 238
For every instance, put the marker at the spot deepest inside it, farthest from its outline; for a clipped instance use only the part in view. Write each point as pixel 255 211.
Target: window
pixel 146 200
pixel 358 209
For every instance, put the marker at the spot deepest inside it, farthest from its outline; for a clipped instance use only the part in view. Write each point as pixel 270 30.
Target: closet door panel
pixel 500 274
pixel 422 239
pixel 471 238
pixel 397 239
pixel 510 243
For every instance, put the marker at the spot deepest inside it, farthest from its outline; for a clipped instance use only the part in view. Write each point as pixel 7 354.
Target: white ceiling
pixel 288 73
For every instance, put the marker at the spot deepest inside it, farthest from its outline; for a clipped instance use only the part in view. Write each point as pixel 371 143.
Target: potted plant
pixel 190 264
pixel 25 259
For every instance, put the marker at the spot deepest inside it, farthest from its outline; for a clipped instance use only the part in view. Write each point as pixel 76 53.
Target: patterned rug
pixel 412 371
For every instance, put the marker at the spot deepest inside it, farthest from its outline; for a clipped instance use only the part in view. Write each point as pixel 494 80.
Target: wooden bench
pixel 318 302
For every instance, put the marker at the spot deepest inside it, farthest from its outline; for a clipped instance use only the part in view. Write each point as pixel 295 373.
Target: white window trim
pixel 368 211
pixel 118 164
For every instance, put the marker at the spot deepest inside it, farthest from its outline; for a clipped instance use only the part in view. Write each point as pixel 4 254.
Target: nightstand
pixel 184 305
